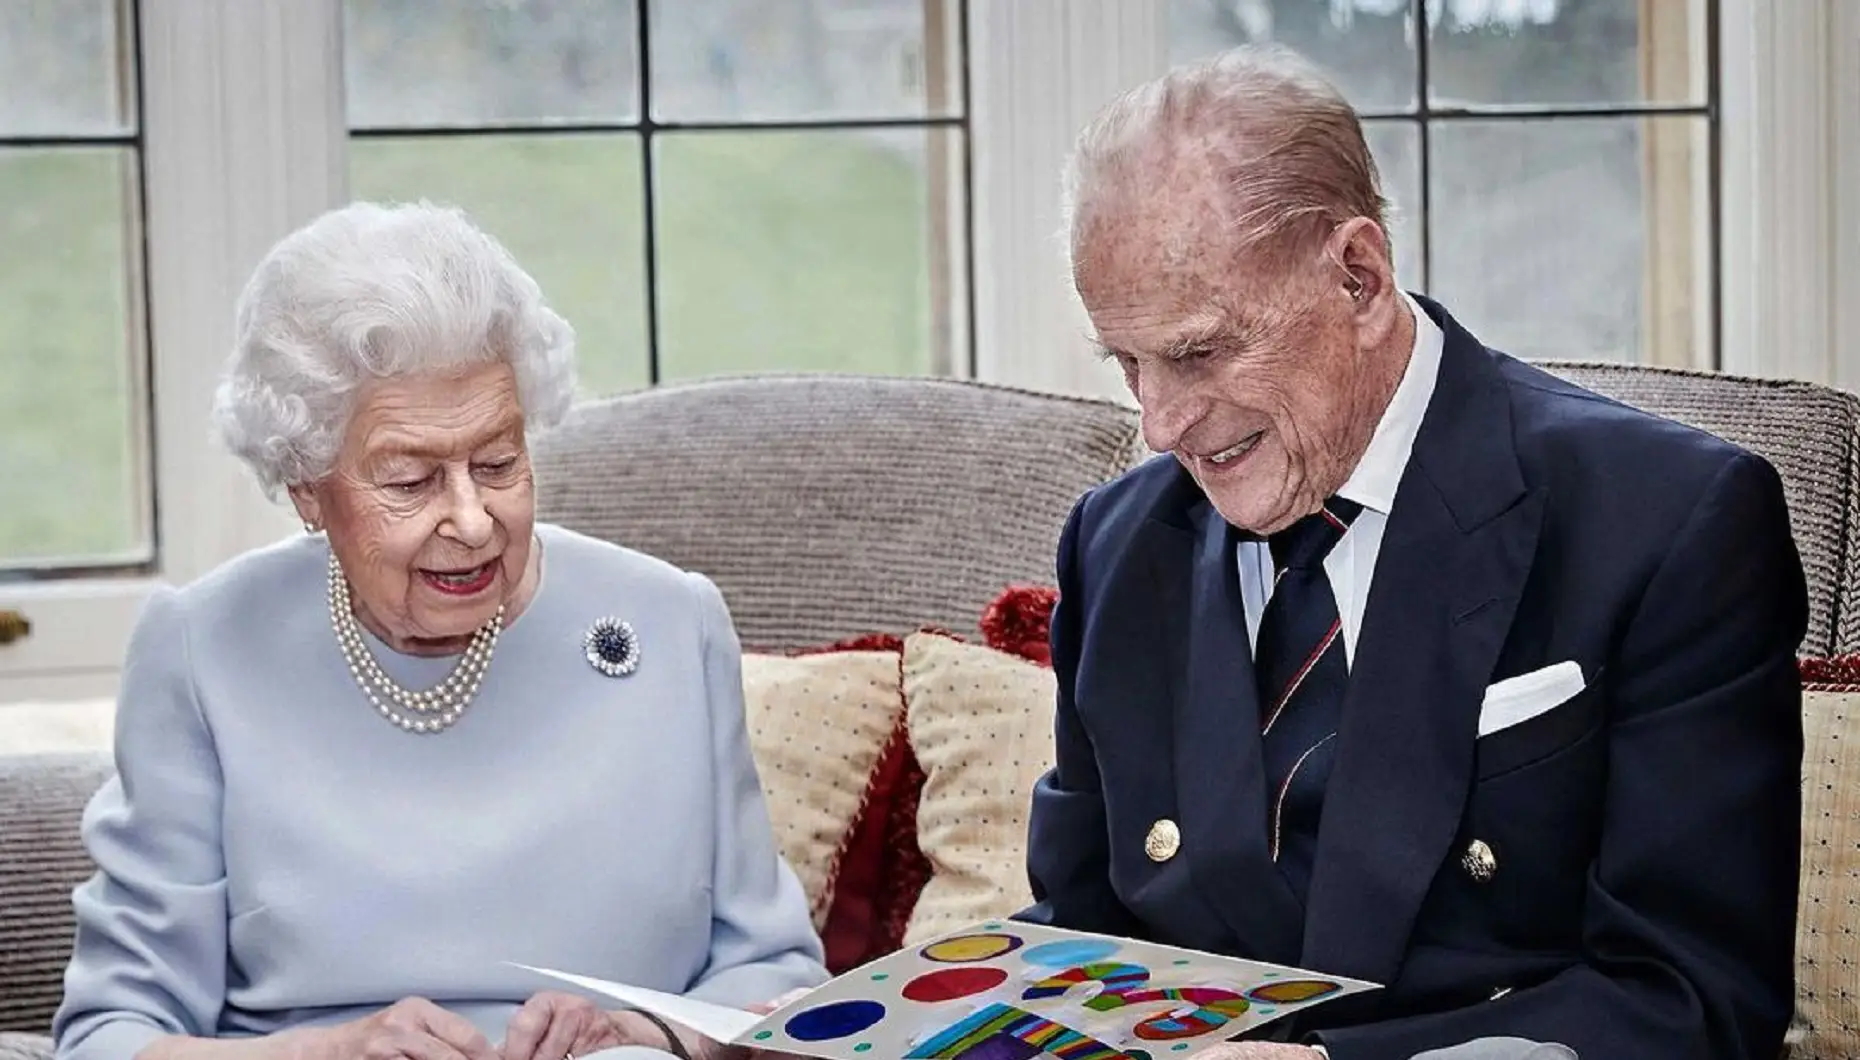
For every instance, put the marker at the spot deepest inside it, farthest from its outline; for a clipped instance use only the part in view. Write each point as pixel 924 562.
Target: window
pixel 74 484
pixel 1552 162
pixel 700 186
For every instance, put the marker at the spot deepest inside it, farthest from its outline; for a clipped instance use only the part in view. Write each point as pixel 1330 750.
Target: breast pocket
pixel 1535 815
pixel 1543 735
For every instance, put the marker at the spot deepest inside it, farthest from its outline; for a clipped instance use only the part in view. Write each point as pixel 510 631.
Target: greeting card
pixel 1008 991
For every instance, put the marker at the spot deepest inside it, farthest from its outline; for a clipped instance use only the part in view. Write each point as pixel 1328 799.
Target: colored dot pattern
pixel 840 1019
pixel 965 949
pixel 1068 952
pixel 1292 991
pixel 953 983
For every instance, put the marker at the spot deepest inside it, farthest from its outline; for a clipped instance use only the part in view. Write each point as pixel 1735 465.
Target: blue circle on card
pixel 1067 952
pixel 841 1019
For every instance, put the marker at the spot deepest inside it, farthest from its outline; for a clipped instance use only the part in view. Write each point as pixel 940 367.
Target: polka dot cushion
pixel 817 727
pixel 981 724
pixel 1827 1023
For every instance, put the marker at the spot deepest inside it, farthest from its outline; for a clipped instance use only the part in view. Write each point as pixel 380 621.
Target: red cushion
pixel 1019 621
pixel 1839 673
pixel 853 918
pixel 880 871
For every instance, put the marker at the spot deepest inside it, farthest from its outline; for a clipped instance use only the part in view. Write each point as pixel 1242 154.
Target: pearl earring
pixel 309 527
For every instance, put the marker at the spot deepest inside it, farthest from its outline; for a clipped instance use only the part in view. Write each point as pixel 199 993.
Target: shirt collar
pixel 1378 473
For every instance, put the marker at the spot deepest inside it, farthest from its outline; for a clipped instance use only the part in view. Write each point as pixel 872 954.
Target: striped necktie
pixel 1302 674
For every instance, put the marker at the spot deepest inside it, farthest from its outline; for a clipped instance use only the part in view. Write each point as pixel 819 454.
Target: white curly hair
pixel 371 291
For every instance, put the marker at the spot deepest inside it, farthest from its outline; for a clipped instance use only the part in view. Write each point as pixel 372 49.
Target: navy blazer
pixel 1646 831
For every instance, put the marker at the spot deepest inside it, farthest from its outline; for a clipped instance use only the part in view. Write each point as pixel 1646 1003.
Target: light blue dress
pixel 274 854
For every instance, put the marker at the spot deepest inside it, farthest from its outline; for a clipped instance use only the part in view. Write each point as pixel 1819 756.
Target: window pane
pixel 1364 45
pixel 808 251
pixel 568 207
pixel 1579 238
pixel 490 62
pixel 1567 51
pixel 754 60
pixel 59 64
pixel 71 415
pixel 1396 145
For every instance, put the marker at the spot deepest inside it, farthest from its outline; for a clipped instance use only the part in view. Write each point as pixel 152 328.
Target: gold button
pixel 1163 841
pixel 1479 861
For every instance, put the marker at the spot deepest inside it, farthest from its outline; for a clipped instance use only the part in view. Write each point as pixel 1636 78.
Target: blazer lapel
pixel 1219 774
pixel 1450 572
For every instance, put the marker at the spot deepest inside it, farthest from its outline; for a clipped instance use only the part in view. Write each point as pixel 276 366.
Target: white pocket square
pixel 1521 698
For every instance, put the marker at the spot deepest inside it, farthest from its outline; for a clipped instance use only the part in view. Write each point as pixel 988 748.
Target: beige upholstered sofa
pixel 832 507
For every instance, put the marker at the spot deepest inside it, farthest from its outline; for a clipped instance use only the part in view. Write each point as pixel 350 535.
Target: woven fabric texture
pixel 981 725
pixel 41 861
pixel 25 1047
pixel 828 506
pixel 818 725
pixel 1827 1018
pixel 1808 432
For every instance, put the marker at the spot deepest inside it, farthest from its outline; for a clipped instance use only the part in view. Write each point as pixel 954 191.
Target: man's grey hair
pixel 370 292
pixel 1286 147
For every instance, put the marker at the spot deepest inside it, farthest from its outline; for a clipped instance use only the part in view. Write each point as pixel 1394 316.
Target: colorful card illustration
pixel 1009 991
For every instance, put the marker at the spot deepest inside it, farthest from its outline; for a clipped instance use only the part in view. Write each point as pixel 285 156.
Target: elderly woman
pixel 364 772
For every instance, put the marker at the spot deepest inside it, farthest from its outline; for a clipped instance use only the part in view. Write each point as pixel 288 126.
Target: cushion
pixel 821 504
pixel 42 859
pixel 981 726
pixel 818 727
pixel 25 1047
pixel 1827 1020
pixel 1019 622
pixel 882 871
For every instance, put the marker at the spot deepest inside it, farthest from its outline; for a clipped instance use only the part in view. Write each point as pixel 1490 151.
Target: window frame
pixel 136 300
pixel 952 315
pixel 219 192
pixel 1783 171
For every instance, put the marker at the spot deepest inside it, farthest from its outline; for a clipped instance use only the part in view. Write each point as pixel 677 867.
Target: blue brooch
pixel 612 647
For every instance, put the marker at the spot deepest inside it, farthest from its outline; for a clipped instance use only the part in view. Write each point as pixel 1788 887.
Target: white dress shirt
pixel 1352 564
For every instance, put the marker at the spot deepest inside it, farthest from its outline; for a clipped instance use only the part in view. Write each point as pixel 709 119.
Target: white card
pixel 716 1022
pixel 1008 991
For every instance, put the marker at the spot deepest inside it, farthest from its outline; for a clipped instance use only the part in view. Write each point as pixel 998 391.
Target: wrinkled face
pixel 1264 375
pixel 431 504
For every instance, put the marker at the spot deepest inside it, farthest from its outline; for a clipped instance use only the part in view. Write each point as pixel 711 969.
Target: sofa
pixel 885 546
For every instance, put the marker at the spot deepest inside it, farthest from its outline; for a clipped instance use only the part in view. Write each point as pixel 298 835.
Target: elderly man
pixel 1525 654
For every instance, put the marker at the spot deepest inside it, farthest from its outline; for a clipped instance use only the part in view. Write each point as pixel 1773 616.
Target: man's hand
pixel 1259 1051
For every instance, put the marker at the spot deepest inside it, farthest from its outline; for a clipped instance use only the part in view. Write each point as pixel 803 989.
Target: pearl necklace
pixel 437 708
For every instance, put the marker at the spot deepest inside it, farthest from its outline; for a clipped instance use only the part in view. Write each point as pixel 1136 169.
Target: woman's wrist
pixel 302 1044
pixel 643 1028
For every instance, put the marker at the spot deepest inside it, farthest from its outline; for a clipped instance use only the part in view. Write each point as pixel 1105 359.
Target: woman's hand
pixel 552 1026
pixel 413 1029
